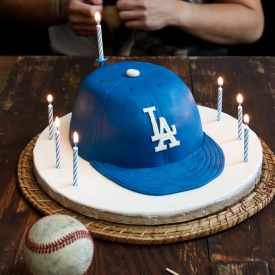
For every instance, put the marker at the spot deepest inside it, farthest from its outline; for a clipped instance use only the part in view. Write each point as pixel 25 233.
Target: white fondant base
pixel 100 198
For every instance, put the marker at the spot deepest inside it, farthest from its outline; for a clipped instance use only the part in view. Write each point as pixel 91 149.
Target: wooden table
pixel 247 248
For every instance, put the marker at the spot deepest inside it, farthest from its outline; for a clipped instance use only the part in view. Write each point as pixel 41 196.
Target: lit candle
pixel 240 116
pixel 99 36
pixel 75 160
pixel 220 90
pixel 246 137
pixel 50 112
pixel 57 143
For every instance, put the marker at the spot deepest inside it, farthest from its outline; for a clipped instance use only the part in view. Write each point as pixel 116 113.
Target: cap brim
pixel 194 171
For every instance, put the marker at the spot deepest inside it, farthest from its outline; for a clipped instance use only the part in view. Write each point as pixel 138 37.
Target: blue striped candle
pixel 240 116
pixel 99 36
pixel 57 143
pixel 246 138
pixel 50 113
pixel 75 160
pixel 220 90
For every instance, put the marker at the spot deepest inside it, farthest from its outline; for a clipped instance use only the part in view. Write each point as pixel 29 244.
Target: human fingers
pixel 134 13
pixel 144 14
pixel 96 2
pixel 131 9
pixel 84 27
pixel 78 7
pixel 84 30
pixel 127 5
pixel 82 17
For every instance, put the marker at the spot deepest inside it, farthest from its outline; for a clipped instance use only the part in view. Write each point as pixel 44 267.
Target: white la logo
pixel 160 134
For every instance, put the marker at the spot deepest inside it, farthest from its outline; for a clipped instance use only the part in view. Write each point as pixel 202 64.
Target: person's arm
pixel 35 13
pixel 227 22
pixel 45 13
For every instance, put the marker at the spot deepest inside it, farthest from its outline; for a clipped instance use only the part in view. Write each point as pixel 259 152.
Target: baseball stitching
pixel 58 244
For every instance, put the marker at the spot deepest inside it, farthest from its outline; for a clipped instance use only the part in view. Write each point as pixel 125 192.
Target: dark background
pixel 18 39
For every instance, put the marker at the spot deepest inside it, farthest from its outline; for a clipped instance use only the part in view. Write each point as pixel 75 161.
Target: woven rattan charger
pixel 249 205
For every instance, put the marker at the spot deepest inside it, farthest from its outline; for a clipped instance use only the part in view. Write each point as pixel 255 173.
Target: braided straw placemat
pixel 249 205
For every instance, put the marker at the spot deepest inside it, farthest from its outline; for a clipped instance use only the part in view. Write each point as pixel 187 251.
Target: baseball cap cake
pixel 139 126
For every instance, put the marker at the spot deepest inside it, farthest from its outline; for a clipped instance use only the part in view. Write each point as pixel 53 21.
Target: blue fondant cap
pixel 143 130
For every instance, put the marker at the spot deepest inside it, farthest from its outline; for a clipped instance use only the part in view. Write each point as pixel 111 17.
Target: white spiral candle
pixel 240 116
pixel 99 36
pixel 246 138
pixel 50 113
pixel 57 144
pixel 220 91
pixel 75 160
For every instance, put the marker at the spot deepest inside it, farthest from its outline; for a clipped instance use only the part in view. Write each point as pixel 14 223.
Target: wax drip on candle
pixel 246 137
pixel 240 115
pixel 57 143
pixel 75 160
pixel 50 114
pixel 220 91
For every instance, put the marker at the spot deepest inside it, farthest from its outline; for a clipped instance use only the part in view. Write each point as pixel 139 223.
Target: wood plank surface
pixel 247 247
pixel 240 268
pixel 6 63
pixel 253 78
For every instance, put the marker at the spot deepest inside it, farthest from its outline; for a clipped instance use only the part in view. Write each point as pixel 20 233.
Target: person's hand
pixel 146 14
pixel 81 15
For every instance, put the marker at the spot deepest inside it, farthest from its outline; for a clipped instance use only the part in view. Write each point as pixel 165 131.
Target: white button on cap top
pixel 132 73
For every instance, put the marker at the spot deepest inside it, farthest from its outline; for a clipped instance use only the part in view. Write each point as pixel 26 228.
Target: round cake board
pixel 248 205
pixel 101 198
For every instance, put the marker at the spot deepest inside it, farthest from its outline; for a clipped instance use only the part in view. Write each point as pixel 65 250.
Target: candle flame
pixel 220 81
pixel 97 17
pixel 239 99
pixel 246 119
pixel 57 122
pixel 75 137
pixel 50 98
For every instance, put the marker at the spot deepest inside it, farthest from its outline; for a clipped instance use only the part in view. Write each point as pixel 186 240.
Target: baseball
pixel 59 245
